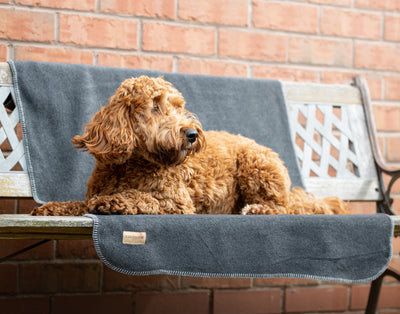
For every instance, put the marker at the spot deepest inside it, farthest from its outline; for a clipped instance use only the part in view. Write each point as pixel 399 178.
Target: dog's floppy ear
pixel 109 136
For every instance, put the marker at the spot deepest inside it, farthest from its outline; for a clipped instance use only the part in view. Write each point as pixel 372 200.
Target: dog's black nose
pixel 191 135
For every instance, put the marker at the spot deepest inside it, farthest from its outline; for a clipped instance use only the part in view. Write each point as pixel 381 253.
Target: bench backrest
pixel 328 124
pixel 332 140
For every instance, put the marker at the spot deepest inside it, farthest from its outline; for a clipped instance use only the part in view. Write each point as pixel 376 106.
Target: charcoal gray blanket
pixel 349 248
pixel 55 101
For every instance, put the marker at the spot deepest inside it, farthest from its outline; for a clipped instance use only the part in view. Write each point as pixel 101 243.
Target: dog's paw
pixel 108 205
pixel 251 210
pixel 260 209
pixel 48 209
pixel 40 211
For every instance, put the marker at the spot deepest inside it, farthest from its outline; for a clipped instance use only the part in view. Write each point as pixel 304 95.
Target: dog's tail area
pixel 305 203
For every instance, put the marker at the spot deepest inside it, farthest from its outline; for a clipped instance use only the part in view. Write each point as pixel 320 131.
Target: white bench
pixel 336 145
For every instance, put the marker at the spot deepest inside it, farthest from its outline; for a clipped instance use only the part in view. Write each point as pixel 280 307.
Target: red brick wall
pixel 325 41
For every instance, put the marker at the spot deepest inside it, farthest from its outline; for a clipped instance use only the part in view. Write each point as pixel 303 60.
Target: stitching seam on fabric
pixel 24 132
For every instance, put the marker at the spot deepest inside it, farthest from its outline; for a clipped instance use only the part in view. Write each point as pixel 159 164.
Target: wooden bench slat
pixel 45 227
pixel 15 184
pixel 5 74
pixel 349 189
pixel 321 93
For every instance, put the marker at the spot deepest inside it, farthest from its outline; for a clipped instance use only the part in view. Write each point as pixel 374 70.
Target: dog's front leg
pixel 175 200
pixel 132 202
pixel 129 202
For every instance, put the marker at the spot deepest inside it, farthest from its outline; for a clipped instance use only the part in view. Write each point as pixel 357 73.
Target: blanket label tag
pixel 132 237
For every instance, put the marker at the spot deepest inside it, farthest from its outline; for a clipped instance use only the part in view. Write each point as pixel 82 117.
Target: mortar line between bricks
pixel 250 14
pixel 319 20
pixel 383 19
pixel 139 39
pixel 101 279
pixel 133 295
pixel 385 150
pixel 10 51
pixel 348 299
pixel 18 279
pixel 383 91
pixel 55 249
pixel 176 10
pixel 353 9
pixel 283 299
pixel 287 57
pixel 211 301
pixel 16 206
pixel 95 57
pixel 51 304
pixel 385 102
pixel 389 134
pixel 57 28
pixel 175 65
pixel 396 165
pixel 97 6
pixel 378 42
pixel 217 40
pixel 320 76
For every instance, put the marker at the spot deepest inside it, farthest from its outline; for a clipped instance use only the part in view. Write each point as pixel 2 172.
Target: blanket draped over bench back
pixel 56 101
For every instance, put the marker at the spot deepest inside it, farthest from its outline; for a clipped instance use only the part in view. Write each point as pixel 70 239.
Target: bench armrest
pixel 384 205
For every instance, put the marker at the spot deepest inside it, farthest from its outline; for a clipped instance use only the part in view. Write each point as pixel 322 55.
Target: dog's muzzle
pixel 191 135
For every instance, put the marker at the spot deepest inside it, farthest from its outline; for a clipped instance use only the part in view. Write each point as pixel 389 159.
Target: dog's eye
pixel 155 108
pixel 156 105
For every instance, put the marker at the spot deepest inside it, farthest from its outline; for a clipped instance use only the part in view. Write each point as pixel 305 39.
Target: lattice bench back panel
pixel 324 142
pixel 14 181
pixel 331 140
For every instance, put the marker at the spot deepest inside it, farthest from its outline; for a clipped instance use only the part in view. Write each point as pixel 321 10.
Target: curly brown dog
pixel 152 158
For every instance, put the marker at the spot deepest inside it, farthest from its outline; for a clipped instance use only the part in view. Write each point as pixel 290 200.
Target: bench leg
pixel 376 289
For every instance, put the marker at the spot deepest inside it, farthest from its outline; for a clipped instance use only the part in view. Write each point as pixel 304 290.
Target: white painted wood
pixel 12 159
pixel 322 146
pixel 321 93
pixel 12 183
pixel 5 74
pixel 356 177
pixel 15 184
pixel 362 144
pixel 346 189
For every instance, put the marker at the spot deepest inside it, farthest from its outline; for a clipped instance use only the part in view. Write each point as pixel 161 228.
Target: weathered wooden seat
pixel 335 142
